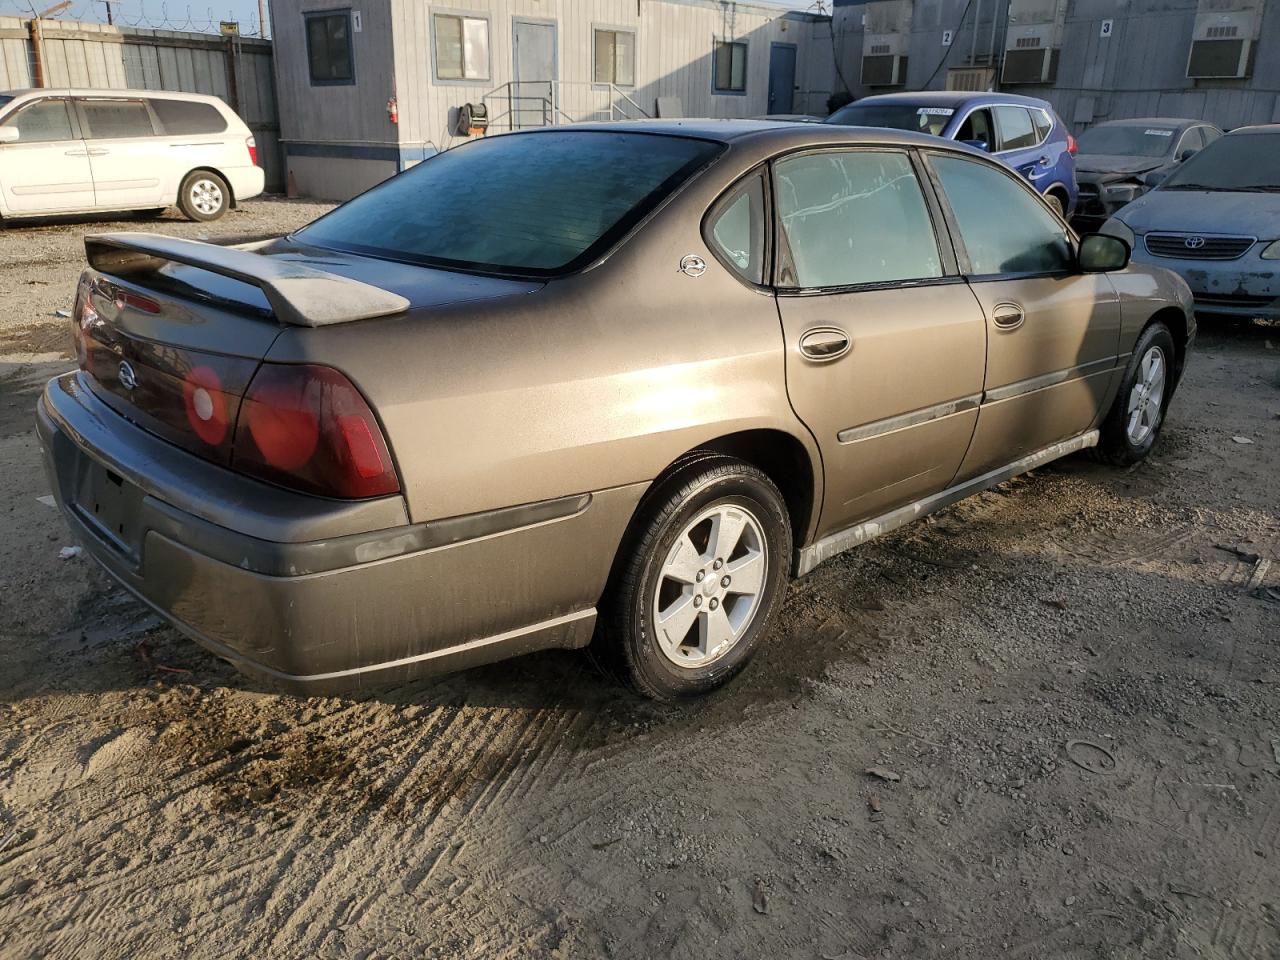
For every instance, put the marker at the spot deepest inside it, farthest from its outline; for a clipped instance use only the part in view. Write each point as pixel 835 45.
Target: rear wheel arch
pixel 780 455
pixel 1059 192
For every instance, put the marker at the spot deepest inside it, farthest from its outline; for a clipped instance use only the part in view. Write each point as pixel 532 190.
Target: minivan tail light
pixel 306 427
pixel 252 144
pixel 1072 147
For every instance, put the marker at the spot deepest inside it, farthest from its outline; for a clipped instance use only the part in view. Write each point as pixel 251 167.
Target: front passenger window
pixel 1005 229
pixel 978 126
pixel 44 121
pixel 853 217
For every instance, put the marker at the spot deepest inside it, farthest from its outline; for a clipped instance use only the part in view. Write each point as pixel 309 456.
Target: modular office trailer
pixel 370 88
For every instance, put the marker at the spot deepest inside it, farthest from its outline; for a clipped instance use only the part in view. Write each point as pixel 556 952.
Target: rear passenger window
pixel 1005 229
pixel 1016 129
pixel 182 117
pixel 42 122
pixel 737 229
pixel 1044 124
pixel 113 119
pixel 853 217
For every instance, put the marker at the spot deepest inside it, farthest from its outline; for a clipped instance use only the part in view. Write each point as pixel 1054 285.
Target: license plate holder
pixel 111 506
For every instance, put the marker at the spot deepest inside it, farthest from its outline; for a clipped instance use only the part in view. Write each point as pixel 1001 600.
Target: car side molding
pixel 301 296
pixel 809 557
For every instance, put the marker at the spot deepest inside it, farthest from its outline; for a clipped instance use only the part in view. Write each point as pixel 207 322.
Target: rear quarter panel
pixel 595 381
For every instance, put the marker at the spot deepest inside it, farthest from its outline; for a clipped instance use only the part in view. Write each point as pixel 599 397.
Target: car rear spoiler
pixel 298 295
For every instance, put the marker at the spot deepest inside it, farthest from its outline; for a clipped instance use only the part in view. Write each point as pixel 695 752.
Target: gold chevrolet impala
pixel 606 383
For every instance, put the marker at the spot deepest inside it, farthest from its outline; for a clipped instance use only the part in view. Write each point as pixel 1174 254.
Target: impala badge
pixel 693 266
pixel 128 379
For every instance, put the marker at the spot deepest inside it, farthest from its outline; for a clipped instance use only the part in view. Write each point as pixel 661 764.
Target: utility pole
pixel 262 18
pixel 36 29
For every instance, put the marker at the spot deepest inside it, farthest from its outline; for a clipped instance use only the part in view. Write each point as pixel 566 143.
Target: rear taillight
pixel 306 427
pixel 252 145
pixel 1071 145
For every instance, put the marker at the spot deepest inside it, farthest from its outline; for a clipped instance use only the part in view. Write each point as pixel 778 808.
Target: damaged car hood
pixel 1205 211
pixel 1106 164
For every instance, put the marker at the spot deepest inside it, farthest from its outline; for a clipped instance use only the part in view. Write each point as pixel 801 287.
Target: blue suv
pixel 1023 132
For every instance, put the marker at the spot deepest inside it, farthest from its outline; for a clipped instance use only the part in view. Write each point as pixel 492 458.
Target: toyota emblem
pixel 128 379
pixel 1194 243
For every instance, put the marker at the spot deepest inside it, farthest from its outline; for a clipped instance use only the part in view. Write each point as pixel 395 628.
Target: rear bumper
pixel 246 182
pixel 334 613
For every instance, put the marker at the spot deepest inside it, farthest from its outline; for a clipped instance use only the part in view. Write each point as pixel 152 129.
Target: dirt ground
pixel 1071 683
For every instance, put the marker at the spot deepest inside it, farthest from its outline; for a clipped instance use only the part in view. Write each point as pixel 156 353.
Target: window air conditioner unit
pixel 1222 43
pixel 884 44
pixel 1032 41
pixel 883 62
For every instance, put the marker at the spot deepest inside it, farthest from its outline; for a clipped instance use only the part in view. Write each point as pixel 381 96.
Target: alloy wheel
pixel 710 585
pixel 1146 398
pixel 206 197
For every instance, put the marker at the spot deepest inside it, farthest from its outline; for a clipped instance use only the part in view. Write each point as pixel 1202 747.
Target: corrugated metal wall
pixel 114 58
pixel 1137 69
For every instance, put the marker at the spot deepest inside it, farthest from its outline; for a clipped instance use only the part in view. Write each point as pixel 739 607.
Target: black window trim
pixel 73 115
pixel 307 17
pixel 953 226
pixel 86 128
pixel 942 232
pixel 721 203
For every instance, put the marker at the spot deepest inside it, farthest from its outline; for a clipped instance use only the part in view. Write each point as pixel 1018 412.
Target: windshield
pixel 529 204
pixel 898 116
pixel 1244 162
pixel 1125 141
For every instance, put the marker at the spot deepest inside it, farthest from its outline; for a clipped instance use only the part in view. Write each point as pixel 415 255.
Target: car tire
pixel 1133 423
pixel 1055 201
pixel 670 575
pixel 203 196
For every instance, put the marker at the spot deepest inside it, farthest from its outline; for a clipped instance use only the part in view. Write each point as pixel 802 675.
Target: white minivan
pixel 80 151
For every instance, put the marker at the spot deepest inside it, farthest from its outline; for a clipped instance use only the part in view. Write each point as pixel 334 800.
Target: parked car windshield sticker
pixel 1158 133
pixel 935 111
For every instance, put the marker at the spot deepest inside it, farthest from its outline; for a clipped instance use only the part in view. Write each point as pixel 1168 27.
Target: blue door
pixel 782 78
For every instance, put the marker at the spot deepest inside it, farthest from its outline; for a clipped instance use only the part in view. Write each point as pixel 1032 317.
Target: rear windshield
pixel 1135 141
pixel 1247 162
pixel 898 116
pixel 529 204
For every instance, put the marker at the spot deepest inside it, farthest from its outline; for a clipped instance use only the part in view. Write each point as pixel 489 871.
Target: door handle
pixel 1008 315
pixel 824 343
pixel 99 152
pixel 77 153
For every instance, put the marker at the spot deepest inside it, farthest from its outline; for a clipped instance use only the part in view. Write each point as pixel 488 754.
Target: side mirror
pixel 1155 178
pixel 9 134
pixel 1102 253
pixel 1187 154
pixel 979 144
